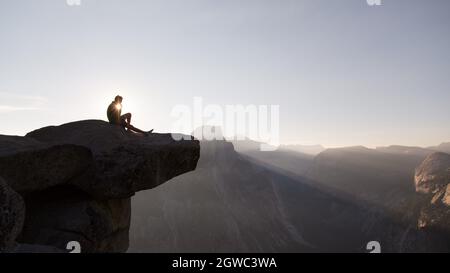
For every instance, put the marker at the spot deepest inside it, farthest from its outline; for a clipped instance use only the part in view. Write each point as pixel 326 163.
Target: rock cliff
pixel 432 178
pixel 74 182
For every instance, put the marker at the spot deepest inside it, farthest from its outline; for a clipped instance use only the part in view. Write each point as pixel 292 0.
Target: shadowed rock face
pixel 12 214
pixel 63 214
pixel 77 180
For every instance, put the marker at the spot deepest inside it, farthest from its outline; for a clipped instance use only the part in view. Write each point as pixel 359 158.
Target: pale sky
pixel 343 72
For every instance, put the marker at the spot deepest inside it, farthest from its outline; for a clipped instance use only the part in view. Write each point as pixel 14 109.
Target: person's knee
pixel 126 116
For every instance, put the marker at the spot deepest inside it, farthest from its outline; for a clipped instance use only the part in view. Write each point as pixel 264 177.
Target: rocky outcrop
pixel 433 174
pixel 77 179
pixel 432 179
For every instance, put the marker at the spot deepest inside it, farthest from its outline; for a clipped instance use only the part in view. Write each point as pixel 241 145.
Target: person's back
pixel 114 112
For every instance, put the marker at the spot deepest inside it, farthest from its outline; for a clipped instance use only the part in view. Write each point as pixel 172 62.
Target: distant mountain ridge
pixel 443 147
pixel 305 149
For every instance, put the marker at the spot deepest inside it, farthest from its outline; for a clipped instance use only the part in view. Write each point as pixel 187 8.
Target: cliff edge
pixel 74 183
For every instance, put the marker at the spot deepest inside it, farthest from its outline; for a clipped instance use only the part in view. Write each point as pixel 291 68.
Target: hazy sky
pixel 343 72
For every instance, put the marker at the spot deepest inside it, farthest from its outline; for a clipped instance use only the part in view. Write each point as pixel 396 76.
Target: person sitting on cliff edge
pixel 115 117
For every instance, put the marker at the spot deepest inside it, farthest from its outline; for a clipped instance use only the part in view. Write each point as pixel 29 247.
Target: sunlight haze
pixel 344 73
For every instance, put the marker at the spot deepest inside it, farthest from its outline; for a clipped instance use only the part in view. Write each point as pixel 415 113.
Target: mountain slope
pixel 230 204
pixel 382 176
pixel 293 161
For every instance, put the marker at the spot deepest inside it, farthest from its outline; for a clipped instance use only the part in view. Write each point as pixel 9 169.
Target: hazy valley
pixel 285 200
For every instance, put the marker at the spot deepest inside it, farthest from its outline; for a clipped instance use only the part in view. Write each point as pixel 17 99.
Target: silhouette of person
pixel 115 116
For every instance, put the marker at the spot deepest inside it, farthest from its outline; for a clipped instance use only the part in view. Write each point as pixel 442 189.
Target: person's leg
pixel 126 121
pixel 126 118
pixel 134 129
